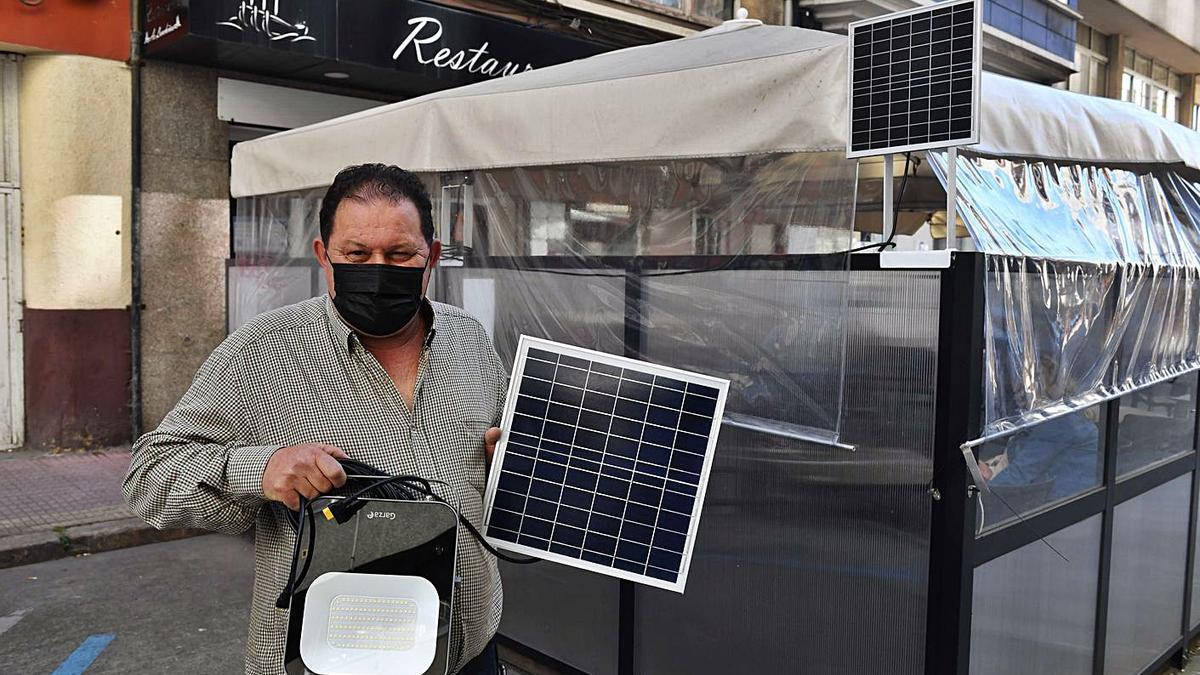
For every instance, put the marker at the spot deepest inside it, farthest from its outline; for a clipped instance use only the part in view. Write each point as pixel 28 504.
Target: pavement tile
pixel 43 492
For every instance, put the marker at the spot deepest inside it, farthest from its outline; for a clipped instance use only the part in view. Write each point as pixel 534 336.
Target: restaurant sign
pixel 408 45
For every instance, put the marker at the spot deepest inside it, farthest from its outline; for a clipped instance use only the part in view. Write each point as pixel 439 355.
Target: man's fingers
pixel 335 451
pixel 318 480
pixel 291 500
pixel 306 489
pixel 490 438
pixel 331 470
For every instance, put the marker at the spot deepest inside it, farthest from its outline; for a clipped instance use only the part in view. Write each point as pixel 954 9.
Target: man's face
pixel 379 232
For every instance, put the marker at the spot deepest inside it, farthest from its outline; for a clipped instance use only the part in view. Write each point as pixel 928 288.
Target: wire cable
pixel 382 486
pixel 285 596
pixel 889 242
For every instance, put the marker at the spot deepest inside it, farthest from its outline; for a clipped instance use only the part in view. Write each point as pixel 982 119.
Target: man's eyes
pixel 394 256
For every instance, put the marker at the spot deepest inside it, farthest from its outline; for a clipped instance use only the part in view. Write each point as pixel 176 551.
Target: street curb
pixel 35 547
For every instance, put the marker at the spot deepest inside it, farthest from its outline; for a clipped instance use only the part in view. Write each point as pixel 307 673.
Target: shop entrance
pixel 12 391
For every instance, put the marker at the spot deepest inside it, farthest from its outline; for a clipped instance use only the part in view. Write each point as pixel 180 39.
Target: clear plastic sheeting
pixel 682 263
pixel 731 266
pixel 1093 282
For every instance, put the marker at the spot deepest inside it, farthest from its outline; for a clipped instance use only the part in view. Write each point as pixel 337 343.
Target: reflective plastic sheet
pixel 1093 282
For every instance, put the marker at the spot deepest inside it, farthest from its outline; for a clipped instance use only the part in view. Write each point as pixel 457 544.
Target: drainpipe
pixel 135 225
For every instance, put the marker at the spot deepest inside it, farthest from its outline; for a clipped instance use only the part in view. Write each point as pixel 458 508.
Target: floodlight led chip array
pixel 369 624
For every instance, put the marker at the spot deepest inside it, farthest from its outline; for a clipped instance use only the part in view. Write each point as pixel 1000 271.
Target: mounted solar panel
pixel 914 80
pixel 603 462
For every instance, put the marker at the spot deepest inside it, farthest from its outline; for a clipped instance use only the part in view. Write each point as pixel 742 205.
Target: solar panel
pixel 914 79
pixel 603 462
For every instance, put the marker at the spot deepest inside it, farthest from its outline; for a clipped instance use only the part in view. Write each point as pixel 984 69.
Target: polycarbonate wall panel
pixel 565 613
pixel 1149 561
pixel 778 335
pixel 1195 613
pixel 1035 613
pixel 810 558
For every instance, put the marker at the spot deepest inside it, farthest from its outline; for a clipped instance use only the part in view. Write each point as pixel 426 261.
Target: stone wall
pixel 184 236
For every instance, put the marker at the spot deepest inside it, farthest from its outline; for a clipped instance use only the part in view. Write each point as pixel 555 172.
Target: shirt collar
pixel 345 337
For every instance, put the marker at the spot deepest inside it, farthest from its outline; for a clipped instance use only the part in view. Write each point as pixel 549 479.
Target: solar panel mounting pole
pixel 951 198
pixel 889 210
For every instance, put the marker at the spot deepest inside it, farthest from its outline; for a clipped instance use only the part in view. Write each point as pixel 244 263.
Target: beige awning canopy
pixel 740 89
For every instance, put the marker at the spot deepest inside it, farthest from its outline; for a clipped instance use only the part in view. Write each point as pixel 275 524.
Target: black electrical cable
pixel 425 487
pixel 889 243
pixel 285 597
pixel 383 486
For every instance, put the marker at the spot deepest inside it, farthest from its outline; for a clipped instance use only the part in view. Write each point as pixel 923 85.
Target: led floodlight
pixel 369 624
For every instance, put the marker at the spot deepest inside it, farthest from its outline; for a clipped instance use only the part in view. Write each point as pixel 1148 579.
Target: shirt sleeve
pixel 200 468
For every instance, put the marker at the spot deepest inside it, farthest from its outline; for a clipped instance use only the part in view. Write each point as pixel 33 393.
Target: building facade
pixel 1142 51
pixel 66 208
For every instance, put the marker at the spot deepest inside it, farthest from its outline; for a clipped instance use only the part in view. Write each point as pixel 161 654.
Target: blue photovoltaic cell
pixel 603 464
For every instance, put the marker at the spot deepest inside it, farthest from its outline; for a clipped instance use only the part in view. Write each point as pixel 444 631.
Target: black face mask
pixel 377 300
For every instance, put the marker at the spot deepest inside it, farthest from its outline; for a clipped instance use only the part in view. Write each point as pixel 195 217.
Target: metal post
pixel 627 598
pixel 958 408
pixel 1112 415
pixel 951 198
pixel 889 209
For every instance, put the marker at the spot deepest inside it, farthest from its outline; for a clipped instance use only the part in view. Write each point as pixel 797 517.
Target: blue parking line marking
pixel 84 654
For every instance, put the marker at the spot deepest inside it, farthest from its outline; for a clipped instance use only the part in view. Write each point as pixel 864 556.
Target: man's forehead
pixel 370 220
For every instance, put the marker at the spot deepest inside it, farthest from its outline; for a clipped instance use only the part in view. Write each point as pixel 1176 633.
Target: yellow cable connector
pixel 328 513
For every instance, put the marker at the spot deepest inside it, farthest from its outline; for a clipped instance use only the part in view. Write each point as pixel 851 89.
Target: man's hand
pixel 305 470
pixel 490 438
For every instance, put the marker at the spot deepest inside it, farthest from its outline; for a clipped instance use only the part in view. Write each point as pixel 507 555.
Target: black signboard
pixel 404 47
pixel 300 27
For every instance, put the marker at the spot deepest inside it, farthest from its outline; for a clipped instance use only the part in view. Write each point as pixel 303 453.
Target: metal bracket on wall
pixel 456 222
pixel 977 481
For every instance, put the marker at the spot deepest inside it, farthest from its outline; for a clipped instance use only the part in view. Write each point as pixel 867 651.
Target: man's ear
pixel 435 253
pixel 320 252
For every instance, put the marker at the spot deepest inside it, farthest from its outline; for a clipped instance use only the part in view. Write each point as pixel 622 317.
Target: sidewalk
pixel 56 505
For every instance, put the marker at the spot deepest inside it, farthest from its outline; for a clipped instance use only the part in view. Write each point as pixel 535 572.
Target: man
pixel 373 371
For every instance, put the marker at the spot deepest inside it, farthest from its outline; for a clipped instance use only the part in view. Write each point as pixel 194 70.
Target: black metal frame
pixel 956 420
pixel 956 551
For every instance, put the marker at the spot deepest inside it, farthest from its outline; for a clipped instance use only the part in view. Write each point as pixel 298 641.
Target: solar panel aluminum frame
pixel 523 346
pixel 976 68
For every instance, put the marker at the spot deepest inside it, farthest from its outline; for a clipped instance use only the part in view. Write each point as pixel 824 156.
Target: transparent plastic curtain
pixel 273 263
pixel 710 264
pixel 1093 281
pixel 684 263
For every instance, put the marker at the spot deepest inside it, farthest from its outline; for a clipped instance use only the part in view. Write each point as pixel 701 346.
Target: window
pixel 1091 62
pixel 1151 84
pixel 1038 22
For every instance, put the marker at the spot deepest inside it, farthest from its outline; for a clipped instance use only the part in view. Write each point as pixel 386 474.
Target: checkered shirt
pixel 299 375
